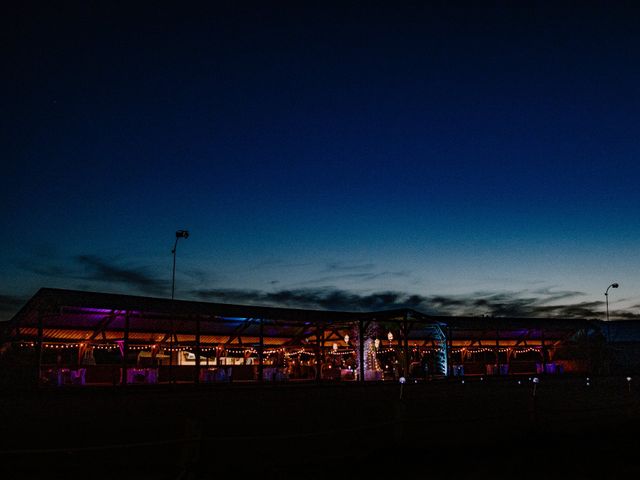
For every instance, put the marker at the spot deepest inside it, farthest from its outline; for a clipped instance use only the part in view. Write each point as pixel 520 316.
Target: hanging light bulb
pixel 390 336
pixel 335 347
pixel 376 342
pixel 346 339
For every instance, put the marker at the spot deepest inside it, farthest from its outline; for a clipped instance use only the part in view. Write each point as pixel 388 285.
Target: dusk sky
pixel 454 160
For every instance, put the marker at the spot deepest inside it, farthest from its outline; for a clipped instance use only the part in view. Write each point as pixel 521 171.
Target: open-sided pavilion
pixel 76 337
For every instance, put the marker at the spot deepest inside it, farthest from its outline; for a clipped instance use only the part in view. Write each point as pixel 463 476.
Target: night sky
pixel 469 160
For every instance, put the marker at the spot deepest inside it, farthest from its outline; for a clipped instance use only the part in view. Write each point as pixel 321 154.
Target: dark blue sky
pixel 457 160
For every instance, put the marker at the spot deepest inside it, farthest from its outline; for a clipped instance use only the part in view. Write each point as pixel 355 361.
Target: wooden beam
pixel 332 332
pixel 302 332
pixel 239 330
pixel 102 326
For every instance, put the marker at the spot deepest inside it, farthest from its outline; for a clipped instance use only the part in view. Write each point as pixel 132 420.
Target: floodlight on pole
pixel 179 234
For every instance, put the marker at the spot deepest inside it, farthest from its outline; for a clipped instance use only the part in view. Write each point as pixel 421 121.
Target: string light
pixel 293 354
pixel 385 350
pixel 489 349
pixel 343 352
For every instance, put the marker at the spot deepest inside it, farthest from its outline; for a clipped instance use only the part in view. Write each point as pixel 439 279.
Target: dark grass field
pixel 490 428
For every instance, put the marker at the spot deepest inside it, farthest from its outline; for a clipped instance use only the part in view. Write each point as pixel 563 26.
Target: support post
pixel 197 374
pixel 125 349
pixel 405 341
pixel 319 345
pixel 261 353
pixel 361 341
pixel 171 345
pixel 39 348
pixel 543 351
pixel 448 345
pixel 497 352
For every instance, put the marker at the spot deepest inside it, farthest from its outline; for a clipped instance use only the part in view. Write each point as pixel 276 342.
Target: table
pixel 142 375
pixel 65 376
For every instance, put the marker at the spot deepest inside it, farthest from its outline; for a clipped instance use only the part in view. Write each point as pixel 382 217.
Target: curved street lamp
pixel 606 296
pixel 179 234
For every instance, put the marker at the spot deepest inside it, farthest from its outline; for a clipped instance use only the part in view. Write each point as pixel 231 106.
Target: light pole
pixel 179 234
pixel 606 296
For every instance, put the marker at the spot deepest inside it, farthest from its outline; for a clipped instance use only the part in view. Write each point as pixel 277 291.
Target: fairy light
pixel 296 353
pixel 385 350
pixel 343 352
pixel 252 351
pixel 527 349
pixel 61 346
pixel 103 346
pixel 371 363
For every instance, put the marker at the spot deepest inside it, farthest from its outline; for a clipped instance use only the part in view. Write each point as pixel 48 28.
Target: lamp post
pixel 179 234
pixel 606 296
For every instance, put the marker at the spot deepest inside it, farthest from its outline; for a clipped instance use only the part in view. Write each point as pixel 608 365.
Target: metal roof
pixel 96 312
pixel 59 301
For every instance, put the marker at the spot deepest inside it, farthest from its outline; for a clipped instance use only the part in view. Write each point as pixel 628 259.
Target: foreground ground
pixel 482 428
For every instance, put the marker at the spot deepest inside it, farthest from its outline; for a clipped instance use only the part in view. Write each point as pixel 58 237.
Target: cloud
pixel 88 269
pixel 344 267
pixel 103 270
pixel 314 298
pixel 554 296
pixel 359 277
pixel 41 268
pixel 498 304
pixel 11 303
